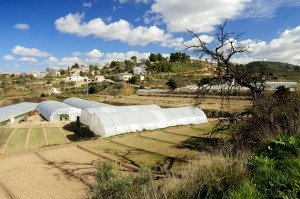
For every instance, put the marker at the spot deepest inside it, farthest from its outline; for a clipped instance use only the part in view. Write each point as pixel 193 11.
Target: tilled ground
pixel 62 172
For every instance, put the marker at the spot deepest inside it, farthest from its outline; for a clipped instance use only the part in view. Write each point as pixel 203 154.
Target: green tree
pixel 128 65
pixel 134 59
pixel 153 57
pixel 81 73
pixel 172 84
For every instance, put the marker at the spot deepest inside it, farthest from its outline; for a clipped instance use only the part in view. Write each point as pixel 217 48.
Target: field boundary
pixel 27 139
pixel 61 130
pixel 7 141
pixel 155 153
pixel 156 139
pixel 122 164
pixel 45 136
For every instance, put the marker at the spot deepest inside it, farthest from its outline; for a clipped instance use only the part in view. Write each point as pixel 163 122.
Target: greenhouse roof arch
pixel 83 104
pixel 56 111
pixel 87 113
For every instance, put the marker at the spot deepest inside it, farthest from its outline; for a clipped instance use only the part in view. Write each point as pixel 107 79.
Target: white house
pixel 138 70
pixel 99 78
pixel 76 78
pixel 124 76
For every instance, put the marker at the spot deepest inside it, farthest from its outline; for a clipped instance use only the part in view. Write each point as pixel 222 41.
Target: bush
pixel 209 179
pixel 271 115
pixel 276 169
pixel 110 183
pixel 247 190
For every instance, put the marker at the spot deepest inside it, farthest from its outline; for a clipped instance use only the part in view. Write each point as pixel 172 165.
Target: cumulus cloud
pixel 19 50
pixel 94 54
pixel 28 59
pixel 119 30
pixel 285 48
pixel 196 15
pixel 8 58
pixel 115 56
pixel 22 26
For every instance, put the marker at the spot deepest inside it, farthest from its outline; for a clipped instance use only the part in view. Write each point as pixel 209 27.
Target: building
pixel 124 76
pixel 99 78
pixel 16 113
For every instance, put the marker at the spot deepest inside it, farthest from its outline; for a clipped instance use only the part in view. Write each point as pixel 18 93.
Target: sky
pixel 37 34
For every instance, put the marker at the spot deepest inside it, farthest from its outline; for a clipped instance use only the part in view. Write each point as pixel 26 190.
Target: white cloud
pixel 19 50
pixel 94 54
pixel 22 26
pixel 119 30
pixel 266 8
pixel 196 15
pixel 87 4
pixel 8 58
pixel 125 56
pixel 69 61
pixel 28 59
pixel 285 48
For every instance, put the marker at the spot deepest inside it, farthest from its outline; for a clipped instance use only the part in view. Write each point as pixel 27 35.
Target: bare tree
pixel 227 76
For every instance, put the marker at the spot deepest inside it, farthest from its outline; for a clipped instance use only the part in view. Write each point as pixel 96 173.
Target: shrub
pixel 247 190
pixel 276 169
pixel 126 90
pixel 110 183
pixel 209 179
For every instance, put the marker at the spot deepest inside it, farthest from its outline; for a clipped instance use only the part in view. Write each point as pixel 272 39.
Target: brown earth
pixel 62 172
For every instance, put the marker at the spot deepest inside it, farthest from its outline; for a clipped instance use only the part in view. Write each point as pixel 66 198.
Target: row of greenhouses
pixel 108 120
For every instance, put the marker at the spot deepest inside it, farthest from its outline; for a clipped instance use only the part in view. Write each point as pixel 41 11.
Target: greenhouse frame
pixel 114 123
pixel 57 111
pixel 86 114
pixel 84 104
pixel 14 113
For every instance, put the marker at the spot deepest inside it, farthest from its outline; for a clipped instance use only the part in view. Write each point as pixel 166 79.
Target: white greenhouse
pixel 109 124
pixel 87 113
pixel 83 104
pixel 57 111
pixel 14 113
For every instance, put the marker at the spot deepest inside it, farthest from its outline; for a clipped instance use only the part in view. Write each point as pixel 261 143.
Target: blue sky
pixel 36 34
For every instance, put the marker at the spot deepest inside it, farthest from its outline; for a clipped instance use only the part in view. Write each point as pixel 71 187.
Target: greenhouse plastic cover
pixel 15 110
pixel 83 104
pixel 87 113
pixel 109 124
pixel 51 110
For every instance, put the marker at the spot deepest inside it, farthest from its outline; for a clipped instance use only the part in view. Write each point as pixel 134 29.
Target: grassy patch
pixel 162 148
pixel 36 139
pixel 17 142
pixel 4 134
pixel 192 130
pixel 55 136
pixel 130 155
pixel 164 136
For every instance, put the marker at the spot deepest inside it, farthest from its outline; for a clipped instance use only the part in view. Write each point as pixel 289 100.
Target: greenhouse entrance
pixel 64 117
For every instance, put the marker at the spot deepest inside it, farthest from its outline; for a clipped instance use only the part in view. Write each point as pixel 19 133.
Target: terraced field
pixel 53 159
pixel 23 139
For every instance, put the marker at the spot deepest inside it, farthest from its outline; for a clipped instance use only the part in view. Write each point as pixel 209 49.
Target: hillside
pixel 277 71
